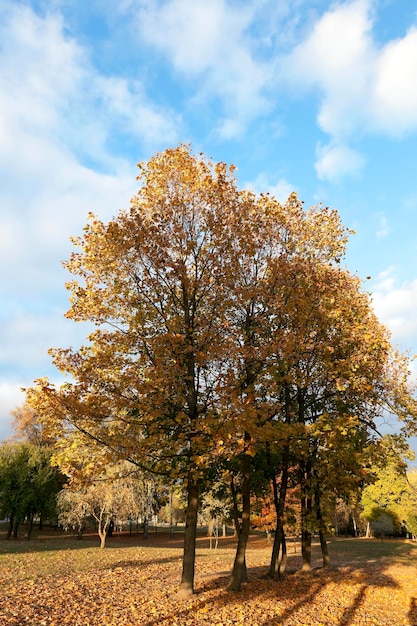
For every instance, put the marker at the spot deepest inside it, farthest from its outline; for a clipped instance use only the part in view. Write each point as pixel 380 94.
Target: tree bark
pixel 10 526
pixel 323 542
pixel 188 563
pixel 235 510
pixel 30 526
pixel 306 510
pixel 283 561
pixel 324 549
pixel 279 502
pixel 15 527
pixel 239 573
pixel 306 550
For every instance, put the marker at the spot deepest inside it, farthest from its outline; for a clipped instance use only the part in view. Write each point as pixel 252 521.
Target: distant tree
pixel 410 503
pixel 384 498
pixel 215 509
pixel 27 427
pixel 118 494
pixel 28 484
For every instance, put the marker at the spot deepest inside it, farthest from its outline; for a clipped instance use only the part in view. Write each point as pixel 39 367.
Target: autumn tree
pixel 223 322
pixel 155 282
pixel 278 243
pixel 116 494
pixel 409 503
pixel 388 490
pixel 27 427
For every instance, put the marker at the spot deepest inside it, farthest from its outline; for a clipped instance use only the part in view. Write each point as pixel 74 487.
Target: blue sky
pixel 305 95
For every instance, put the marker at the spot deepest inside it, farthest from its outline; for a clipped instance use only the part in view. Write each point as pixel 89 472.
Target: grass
pixel 56 579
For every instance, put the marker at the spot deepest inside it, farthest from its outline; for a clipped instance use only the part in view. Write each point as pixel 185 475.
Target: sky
pixel 300 95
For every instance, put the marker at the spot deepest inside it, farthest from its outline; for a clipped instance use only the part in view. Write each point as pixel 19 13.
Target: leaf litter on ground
pixel 136 585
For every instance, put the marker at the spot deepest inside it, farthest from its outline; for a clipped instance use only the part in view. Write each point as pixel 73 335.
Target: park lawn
pixel 63 581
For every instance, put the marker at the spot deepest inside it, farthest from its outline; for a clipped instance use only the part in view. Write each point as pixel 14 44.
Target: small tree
pixel 116 494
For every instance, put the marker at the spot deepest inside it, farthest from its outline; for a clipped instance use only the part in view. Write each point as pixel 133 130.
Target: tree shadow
pixel 296 589
pixel 412 613
pixel 131 564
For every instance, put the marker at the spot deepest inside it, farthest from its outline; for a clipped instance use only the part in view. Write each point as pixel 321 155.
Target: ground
pixel 61 581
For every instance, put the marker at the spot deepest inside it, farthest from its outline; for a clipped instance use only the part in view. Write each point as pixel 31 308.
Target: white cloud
pixel 51 131
pixel 395 305
pixel 58 119
pixel 210 41
pixel 280 189
pixel 335 161
pixel 364 86
pixel 50 89
pixel 337 58
pixel 394 95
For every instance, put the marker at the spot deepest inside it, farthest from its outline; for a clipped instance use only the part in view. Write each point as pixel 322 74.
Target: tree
pixel 280 242
pixel 223 322
pixel 27 427
pixel 383 499
pixel 409 503
pixel 28 484
pixel 116 494
pixel 154 282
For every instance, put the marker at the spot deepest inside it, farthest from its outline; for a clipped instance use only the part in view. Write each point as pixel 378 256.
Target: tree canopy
pixel 224 322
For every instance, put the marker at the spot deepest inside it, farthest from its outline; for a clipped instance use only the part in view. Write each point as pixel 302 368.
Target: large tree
pixel 155 281
pixel 219 327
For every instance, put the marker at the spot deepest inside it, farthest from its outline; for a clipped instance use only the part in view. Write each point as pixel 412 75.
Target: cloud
pixel 364 86
pixel 336 161
pixel 337 58
pixel 394 89
pixel 50 89
pixel 209 42
pixel 395 305
pixel 383 230
pixel 58 161
pixel 59 119
pixel 280 189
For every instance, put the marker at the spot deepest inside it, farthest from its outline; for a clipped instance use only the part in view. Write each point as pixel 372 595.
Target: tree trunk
pixel 323 542
pixel 15 527
pixel 355 526
pixel 306 507
pixel 239 573
pixel 30 526
pixel 188 560
pixel 306 513
pixel 10 527
pixel 306 550
pixel 235 509
pixel 283 561
pixel 324 549
pixel 279 502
